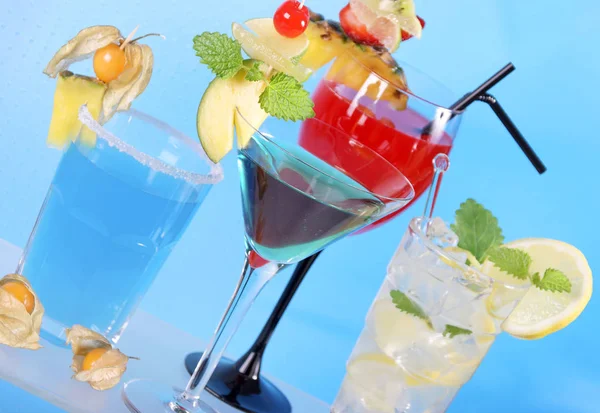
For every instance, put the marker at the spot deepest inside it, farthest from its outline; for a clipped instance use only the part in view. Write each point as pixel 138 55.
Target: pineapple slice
pixel 73 91
pixel 326 42
pixel 354 64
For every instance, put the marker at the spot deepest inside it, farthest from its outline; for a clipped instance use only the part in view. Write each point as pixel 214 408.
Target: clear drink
pixel 111 218
pixel 431 324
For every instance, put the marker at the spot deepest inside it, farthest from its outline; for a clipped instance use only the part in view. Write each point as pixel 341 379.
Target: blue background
pixel 551 97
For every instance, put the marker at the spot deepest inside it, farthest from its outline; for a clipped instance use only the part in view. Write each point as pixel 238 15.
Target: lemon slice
pixel 376 381
pixel 290 48
pixel 456 253
pixel 259 49
pixel 395 330
pixel 541 313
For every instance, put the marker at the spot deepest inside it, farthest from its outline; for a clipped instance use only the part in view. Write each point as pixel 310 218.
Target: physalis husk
pixel 20 322
pixel 105 369
pixel 131 82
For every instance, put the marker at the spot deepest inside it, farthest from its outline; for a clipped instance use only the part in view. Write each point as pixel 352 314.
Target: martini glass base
pixel 149 396
pixel 240 391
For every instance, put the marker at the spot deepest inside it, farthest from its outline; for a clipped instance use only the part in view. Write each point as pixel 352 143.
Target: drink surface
pixel 291 209
pixel 106 228
pixel 393 134
pixel 426 332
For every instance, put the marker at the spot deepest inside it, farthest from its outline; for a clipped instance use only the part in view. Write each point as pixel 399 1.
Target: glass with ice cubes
pixel 432 322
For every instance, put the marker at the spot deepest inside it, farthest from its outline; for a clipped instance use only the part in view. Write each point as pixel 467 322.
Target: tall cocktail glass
pixel 113 213
pixel 428 329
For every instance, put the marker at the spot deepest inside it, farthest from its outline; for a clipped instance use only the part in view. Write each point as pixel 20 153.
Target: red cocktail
pixel 378 110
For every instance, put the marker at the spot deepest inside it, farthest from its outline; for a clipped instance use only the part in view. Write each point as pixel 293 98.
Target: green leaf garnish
pixel 453 331
pixel 477 229
pixel 254 73
pixel 513 261
pixel 286 99
pixel 222 54
pixel 478 232
pixel 405 304
pixel 554 281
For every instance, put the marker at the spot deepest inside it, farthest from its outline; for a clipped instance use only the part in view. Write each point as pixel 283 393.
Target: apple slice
pixel 218 114
pixel 214 121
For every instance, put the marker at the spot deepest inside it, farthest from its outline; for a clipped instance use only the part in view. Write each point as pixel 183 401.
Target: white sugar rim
pixel 216 170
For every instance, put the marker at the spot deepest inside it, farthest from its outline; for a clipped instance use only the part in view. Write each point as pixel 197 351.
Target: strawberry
pixel 406 36
pixel 355 29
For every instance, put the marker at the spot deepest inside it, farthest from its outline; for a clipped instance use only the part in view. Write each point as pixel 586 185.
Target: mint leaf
pixel 513 261
pixel 286 99
pixel 405 304
pixel 254 73
pixel 554 281
pixel 453 331
pixel 477 229
pixel 222 54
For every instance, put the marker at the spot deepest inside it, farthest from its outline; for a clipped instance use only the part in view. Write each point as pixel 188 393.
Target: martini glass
pixel 376 112
pixel 295 203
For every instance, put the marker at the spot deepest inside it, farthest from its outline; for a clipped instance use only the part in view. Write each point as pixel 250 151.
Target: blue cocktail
pixel 112 216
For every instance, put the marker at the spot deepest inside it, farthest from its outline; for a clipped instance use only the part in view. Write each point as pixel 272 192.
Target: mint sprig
pixel 512 261
pixel 254 73
pixel 479 232
pixel 554 281
pixel 453 331
pixel 222 54
pixel 405 304
pixel 477 229
pixel 516 263
pixel 284 97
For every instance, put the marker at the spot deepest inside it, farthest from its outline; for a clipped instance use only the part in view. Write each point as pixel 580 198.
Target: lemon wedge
pixel 374 378
pixel 541 313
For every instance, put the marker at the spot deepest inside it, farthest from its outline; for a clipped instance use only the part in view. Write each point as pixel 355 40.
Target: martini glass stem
pixel 251 282
pixel 250 363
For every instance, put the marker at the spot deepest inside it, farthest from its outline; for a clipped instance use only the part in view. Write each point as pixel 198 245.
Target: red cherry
pixel 406 36
pixel 291 19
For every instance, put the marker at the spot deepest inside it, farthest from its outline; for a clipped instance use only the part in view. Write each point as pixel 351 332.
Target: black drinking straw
pixel 481 94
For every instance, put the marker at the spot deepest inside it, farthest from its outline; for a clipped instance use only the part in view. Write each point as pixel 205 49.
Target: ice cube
pixel 441 234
